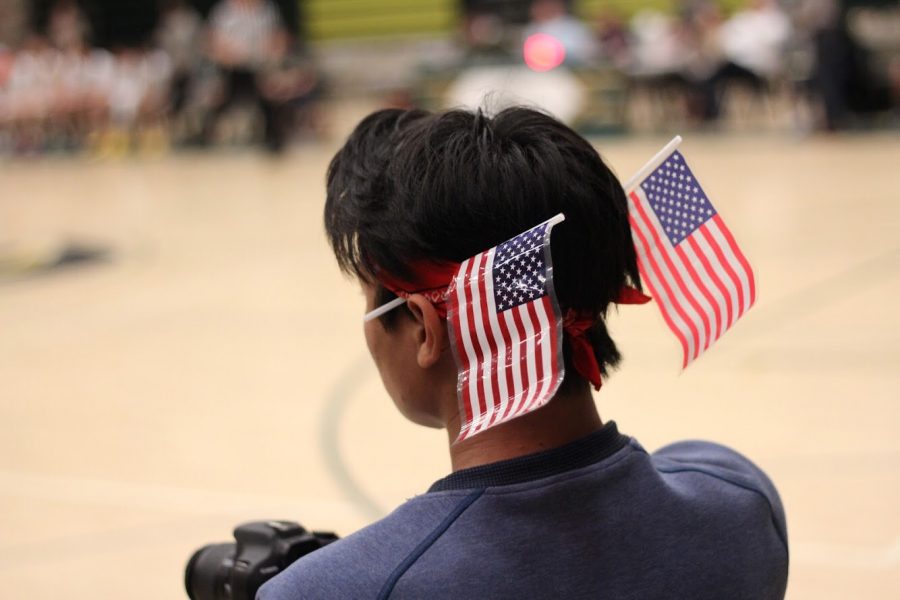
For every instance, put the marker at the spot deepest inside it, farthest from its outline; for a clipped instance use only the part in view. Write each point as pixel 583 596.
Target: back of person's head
pixel 410 186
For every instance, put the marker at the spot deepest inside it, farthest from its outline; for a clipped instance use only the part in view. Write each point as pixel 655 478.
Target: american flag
pixel 507 331
pixel 688 257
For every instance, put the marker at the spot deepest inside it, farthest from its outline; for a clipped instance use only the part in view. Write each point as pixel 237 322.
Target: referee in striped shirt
pixel 246 38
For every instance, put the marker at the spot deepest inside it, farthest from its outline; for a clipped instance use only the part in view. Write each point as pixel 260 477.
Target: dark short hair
pixel 409 185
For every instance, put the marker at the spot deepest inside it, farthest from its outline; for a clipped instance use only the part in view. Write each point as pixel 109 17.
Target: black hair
pixel 409 185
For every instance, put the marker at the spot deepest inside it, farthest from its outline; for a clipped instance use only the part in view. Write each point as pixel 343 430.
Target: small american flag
pixel 688 258
pixel 507 331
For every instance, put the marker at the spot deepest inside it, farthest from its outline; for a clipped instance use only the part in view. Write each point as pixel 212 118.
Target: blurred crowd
pixel 839 61
pixel 178 84
pixel 60 93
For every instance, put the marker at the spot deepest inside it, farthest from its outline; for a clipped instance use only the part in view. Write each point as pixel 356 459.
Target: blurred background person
pixel 614 39
pixel 755 37
pixel 658 87
pixel 700 27
pixel 245 39
pixel 553 18
pixel 137 101
pixel 179 35
pixel 753 42
pixel 80 109
pixel 848 82
pixel 6 63
pixel 30 88
pixel 67 26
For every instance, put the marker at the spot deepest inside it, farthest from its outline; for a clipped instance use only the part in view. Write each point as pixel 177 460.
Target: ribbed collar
pixel 574 455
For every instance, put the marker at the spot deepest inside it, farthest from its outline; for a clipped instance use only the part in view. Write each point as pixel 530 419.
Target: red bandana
pixel 576 324
pixel 432 280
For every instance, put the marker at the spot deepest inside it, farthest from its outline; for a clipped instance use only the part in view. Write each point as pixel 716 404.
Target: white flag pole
pixel 384 308
pixel 654 162
pixel 555 220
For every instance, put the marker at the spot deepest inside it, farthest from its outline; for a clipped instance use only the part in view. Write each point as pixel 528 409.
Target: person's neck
pixel 569 416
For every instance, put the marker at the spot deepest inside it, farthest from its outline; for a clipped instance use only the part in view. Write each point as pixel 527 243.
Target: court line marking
pixel 336 402
pixel 148 496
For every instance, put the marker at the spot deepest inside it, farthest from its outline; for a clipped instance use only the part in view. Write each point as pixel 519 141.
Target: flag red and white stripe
pixel 687 257
pixel 507 331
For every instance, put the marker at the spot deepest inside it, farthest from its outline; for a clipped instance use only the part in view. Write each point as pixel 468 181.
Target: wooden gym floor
pixel 212 369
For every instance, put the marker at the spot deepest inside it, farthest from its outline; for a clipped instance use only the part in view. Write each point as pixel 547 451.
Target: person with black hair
pixel 555 503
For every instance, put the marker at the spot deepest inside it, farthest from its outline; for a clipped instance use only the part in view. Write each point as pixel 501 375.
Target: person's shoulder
pixel 708 465
pixel 360 565
pixel 714 460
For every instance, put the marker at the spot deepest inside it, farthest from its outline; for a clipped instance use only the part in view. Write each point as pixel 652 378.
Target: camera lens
pixel 206 575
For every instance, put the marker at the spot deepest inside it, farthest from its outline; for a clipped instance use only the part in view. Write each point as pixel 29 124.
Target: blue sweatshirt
pixel 599 518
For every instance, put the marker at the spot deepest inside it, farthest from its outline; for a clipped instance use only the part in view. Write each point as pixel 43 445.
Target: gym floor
pixel 209 367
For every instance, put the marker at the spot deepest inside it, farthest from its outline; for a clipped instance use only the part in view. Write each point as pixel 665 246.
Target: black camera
pixel 236 571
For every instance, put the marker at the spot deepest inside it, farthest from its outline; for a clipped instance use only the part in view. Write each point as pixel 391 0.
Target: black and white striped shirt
pixel 248 26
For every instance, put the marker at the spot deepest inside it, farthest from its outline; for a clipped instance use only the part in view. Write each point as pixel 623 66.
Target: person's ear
pixel 431 331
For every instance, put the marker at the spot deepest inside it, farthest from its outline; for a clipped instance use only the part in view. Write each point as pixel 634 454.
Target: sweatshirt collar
pixel 581 453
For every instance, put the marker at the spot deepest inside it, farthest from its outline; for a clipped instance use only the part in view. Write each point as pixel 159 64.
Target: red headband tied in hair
pixel 432 279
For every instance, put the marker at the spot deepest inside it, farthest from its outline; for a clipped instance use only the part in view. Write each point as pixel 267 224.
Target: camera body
pixel 262 550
